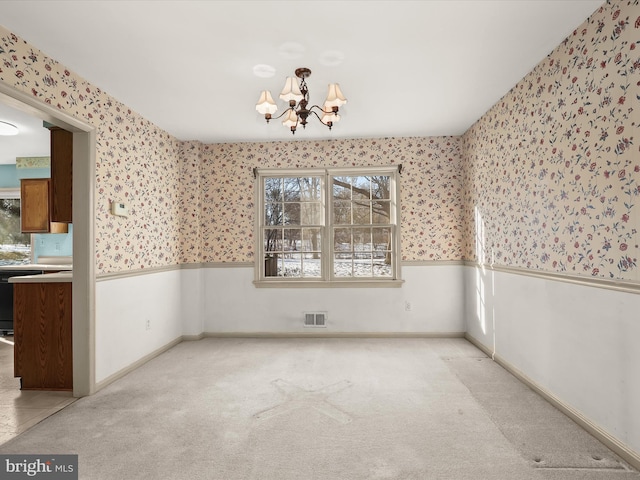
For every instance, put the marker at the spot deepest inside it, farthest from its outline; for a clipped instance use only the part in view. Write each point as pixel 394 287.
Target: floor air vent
pixel 315 319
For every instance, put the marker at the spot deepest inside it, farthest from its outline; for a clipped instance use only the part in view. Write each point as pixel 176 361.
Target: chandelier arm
pixel 321 109
pixel 313 111
pixel 329 124
pixel 282 114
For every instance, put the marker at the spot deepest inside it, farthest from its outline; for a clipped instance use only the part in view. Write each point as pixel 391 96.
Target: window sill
pixel 328 284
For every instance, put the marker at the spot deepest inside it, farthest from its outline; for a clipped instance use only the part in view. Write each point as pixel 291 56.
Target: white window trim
pixel 329 281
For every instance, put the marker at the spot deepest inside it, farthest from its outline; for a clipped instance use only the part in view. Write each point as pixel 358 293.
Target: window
pixel 15 246
pixel 328 226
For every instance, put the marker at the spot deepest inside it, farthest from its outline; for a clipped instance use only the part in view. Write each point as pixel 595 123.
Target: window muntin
pixel 328 225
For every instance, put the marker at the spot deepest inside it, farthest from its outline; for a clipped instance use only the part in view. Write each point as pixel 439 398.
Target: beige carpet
pixel 334 409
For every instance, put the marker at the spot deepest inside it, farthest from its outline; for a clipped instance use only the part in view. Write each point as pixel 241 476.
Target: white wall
pixel 123 306
pixel 578 342
pixel 581 343
pixel 192 301
pixel 192 309
pixel 232 304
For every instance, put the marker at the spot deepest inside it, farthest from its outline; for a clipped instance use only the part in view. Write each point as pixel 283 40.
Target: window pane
pixel 382 238
pixel 311 213
pixel 292 238
pixel 362 265
pixel 362 213
pixel 271 265
pixel 291 214
pixel 310 188
pixel 381 211
pixel 273 213
pixel 342 213
pixel 361 188
pixel 362 240
pixel 311 266
pixel 291 189
pixel 381 269
pixel 273 190
pixel 342 240
pixel 342 267
pixel 380 187
pixel 292 265
pixel 272 240
pixel 342 188
pixel 15 246
pixel 382 252
pixel 311 241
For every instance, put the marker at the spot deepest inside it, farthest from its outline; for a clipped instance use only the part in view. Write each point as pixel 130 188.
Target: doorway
pixel 83 285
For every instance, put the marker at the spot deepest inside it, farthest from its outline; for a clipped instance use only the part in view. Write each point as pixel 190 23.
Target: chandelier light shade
pixel 266 105
pixel 296 93
pixel 291 91
pixel 291 120
pixel 335 97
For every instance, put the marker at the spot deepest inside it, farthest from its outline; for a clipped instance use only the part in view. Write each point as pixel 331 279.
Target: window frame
pixel 328 278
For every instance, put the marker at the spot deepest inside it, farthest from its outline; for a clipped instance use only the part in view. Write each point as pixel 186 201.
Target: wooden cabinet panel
pixel 35 211
pixel 61 175
pixel 34 205
pixel 42 336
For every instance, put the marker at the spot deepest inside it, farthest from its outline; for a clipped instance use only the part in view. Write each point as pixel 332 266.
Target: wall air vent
pixel 315 319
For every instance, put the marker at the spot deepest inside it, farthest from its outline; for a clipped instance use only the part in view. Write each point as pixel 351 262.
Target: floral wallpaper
pixel 136 162
pixel 33 162
pixel 431 187
pixel 552 171
pixel 547 179
pixel 190 202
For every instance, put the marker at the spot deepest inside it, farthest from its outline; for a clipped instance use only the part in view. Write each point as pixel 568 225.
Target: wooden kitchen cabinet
pixel 61 175
pixel 35 216
pixel 42 336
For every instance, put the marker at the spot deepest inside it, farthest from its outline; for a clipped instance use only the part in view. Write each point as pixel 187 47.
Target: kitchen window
pixel 328 227
pixel 15 246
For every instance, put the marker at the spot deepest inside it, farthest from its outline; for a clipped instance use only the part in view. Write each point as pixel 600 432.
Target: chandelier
pixel 298 97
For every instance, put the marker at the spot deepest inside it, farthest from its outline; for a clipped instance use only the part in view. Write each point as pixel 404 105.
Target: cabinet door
pixel 43 355
pixel 61 175
pixel 34 205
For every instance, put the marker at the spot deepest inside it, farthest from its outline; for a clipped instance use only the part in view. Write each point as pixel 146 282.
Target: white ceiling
pixel 32 141
pixel 407 68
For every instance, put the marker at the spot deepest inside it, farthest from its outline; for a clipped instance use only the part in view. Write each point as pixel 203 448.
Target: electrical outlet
pixel 148 324
pixel 407 306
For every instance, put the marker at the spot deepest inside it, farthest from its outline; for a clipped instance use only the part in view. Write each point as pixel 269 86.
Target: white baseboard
pixel 192 338
pixel 316 333
pixel 121 373
pixel 611 442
